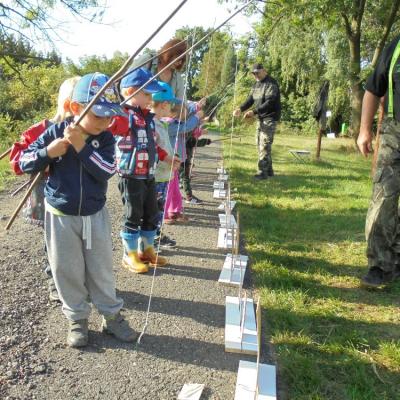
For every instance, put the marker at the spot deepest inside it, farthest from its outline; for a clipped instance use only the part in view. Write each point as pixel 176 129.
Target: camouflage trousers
pixel 382 228
pixel 264 139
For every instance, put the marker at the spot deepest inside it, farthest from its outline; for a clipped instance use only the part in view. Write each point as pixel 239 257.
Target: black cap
pixel 257 67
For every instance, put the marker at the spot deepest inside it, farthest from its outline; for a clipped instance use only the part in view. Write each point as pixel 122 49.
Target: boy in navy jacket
pixel 81 159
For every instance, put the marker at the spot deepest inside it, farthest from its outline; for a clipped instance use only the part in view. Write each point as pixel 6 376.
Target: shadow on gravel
pixel 189 351
pixel 200 253
pixel 179 349
pixel 204 313
pixel 191 272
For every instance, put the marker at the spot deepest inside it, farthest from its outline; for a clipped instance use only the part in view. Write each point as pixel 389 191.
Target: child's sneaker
pixel 116 325
pixel 78 333
pixel 150 256
pixel 166 242
pixel 193 200
pixel 133 263
pixel 176 219
pixel 53 294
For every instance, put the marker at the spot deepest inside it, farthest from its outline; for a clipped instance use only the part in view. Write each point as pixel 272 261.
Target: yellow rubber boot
pixel 132 262
pixel 150 256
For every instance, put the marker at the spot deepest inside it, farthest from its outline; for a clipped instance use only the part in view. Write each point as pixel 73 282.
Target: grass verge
pixel 304 232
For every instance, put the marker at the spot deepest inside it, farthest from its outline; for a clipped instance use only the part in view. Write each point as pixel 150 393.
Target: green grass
pixel 304 232
pixel 6 174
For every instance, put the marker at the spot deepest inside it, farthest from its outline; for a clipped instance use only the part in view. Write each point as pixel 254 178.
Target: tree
pixel 218 68
pixel 366 26
pixel 102 64
pixel 32 21
pixel 192 35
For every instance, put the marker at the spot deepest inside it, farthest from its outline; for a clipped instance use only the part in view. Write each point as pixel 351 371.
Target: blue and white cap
pixel 137 77
pixel 107 105
pixel 166 94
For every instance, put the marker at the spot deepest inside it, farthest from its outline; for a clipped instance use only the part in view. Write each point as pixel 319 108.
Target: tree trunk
pixel 386 30
pixel 356 88
pixel 319 140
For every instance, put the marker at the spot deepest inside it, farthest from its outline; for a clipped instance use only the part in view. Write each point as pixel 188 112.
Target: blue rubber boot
pixel 131 259
pixel 147 253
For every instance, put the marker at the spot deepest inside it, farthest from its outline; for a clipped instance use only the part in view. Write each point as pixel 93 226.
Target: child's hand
pixel 176 163
pixel 200 114
pixel 73 133
pixel 181 112
pixel 202 102
pixel 57 148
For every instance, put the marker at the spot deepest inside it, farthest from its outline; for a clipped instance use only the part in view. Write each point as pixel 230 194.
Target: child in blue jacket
pixel 81 160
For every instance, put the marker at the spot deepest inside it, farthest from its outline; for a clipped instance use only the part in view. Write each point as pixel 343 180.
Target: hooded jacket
pixel 77 182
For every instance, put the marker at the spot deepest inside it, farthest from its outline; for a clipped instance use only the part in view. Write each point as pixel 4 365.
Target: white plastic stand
pixel 247 387
pixel 225 238
pixel 256 381
pixel 240 326
pixel 191 391
pixel 235 264
pixel 223 177
pixel 219 185
pixel 227 221
pixel 234 270
pixel 219 194
pixel 223 205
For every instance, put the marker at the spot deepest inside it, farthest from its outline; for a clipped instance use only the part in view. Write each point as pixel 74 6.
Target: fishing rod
pixel 6 153
pixel 226 138
pixel 108 84
pixel 185 52
pixel 151 59
pixel 23 186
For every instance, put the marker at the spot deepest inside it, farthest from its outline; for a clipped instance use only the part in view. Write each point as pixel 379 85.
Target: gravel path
pixel 184 341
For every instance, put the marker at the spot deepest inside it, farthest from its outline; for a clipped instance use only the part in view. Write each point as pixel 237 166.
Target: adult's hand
pixel 364 142
pixel 249 114
pixel 237 112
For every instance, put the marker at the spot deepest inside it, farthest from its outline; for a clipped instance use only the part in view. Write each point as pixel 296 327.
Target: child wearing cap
pixel 33 211
pixel 137 157
pixel 80 159
pixel 167 181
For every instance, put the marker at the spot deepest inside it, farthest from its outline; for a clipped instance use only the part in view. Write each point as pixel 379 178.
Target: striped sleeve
pixel 100 162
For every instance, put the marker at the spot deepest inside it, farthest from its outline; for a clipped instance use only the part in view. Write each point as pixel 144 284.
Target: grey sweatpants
pixel 82 274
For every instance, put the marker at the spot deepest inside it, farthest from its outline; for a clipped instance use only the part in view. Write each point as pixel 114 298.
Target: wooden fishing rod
pixel 108 84
pixel 227 138
pixel 5 154
pixel 150 59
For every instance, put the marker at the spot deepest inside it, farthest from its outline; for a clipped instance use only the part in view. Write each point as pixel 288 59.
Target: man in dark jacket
pixel 265 97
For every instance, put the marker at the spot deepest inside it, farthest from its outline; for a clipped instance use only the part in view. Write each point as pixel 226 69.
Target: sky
pixel 127 23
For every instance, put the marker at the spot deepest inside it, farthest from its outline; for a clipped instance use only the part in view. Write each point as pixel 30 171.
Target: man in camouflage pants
pixel 382 226
pixel 265 96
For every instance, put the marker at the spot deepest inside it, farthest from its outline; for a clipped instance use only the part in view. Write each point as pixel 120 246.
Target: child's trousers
pixel 173 203
pixel 139 197
pixel 82 268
